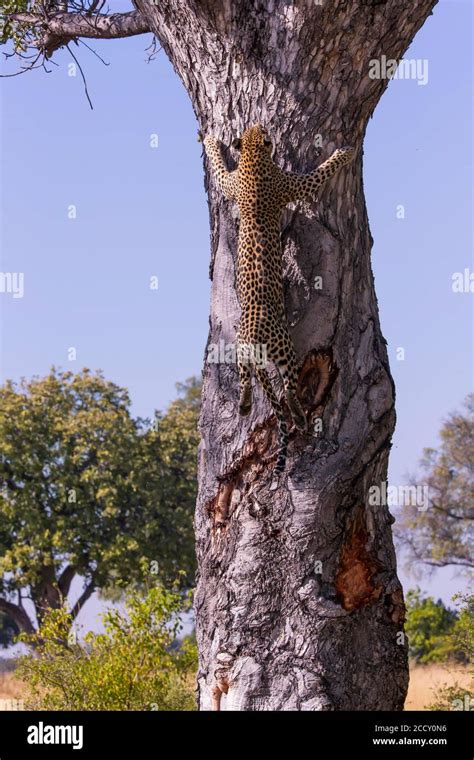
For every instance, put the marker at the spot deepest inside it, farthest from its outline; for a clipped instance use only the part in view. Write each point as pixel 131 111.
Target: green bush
pixel 134 665
pixel 459 697
pixel 429 626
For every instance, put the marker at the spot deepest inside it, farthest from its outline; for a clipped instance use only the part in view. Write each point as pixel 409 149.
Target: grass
pixel 10 687
pixel 424 681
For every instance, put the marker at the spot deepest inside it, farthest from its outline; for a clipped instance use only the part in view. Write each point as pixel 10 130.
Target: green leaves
pixel 10 30
pixel 429 627
pixel 86 485
pixel 458 697
pixel 136 664
pixel 168 477
pixel 66 443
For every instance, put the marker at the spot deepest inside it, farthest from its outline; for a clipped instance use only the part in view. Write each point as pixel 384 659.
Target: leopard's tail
pixel 264 380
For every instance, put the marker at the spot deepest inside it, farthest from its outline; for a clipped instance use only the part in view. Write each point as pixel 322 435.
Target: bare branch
pixel 450 513
pixel 65 579
pixel 83 77
pixel 94 52
pixel 57 30
pixel 448 563
pixel 87 592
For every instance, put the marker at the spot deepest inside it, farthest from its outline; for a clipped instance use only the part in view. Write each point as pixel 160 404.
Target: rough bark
pixel 276 629
pixel 298 604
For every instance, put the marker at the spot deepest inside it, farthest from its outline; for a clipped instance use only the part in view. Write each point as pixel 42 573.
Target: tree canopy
pixel 443 534
pixel 89 491
pixel 429 626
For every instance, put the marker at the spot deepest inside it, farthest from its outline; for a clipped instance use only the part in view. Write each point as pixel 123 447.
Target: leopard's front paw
pixel 345 154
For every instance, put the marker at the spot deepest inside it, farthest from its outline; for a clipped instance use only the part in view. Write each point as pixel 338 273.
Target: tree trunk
pixel 19 616
pixel 298 604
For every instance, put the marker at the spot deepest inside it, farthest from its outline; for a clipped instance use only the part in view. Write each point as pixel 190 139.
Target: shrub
pixel 457 697
pixel 134 665
pixel 429 627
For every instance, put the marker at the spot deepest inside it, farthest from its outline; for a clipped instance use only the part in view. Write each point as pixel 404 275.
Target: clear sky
pixel 142 212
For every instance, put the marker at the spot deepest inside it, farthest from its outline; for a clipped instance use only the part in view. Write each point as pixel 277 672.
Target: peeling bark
pixel 298 604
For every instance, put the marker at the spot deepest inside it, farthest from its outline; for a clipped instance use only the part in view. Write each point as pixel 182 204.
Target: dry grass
pixel 426 679
pixel 10 687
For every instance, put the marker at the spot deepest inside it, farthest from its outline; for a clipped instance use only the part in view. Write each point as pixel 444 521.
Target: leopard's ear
pixel 237 143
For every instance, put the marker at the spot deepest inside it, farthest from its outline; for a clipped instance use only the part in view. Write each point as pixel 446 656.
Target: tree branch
pixel 88 591
pixel 58 29
pixel 65 579
pixel 448 562
pixel 100 26
pixel 449 513
pixel 17 614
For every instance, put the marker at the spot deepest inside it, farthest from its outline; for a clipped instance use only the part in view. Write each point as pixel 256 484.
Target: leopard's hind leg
pixel 283 355
pixel 245 377
pixel 264 380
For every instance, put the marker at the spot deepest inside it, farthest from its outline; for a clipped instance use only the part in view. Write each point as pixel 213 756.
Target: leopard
pixel 261 191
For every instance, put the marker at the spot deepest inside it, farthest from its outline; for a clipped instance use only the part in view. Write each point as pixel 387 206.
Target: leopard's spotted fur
pixel 262 190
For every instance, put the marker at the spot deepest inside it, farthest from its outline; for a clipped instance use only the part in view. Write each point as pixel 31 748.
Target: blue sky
pixel 142 212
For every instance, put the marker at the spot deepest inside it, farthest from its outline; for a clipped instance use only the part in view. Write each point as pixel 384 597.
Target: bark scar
pixel 317 375
pixel 221 686
pixel 355 585
pixel 251 462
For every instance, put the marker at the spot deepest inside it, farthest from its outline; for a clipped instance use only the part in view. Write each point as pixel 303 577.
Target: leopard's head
pixel 254 140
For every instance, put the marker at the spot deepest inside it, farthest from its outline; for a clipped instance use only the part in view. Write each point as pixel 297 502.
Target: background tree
pixel 458 697
pixel 8 630
pixel 430 626
pixel 81 482
pixel 443 534
pixel 167 479
pixel 289 580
